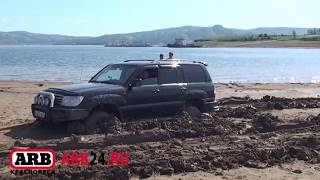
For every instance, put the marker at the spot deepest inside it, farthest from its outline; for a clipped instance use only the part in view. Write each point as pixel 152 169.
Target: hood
pixel 87 88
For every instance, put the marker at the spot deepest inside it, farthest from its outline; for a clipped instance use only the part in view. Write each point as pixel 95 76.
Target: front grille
pixel 58 99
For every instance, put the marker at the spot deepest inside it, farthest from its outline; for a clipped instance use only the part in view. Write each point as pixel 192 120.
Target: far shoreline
pixel 273 44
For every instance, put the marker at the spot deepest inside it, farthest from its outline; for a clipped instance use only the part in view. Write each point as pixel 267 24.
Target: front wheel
pixel 100 121
pixel 43 124
pixel 76 127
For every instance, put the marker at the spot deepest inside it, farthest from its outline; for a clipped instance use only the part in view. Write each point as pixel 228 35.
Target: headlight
pixel 71 101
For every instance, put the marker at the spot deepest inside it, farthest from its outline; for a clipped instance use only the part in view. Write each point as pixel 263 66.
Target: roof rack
pixel 148 60
pixel 167 60
pixel 199 62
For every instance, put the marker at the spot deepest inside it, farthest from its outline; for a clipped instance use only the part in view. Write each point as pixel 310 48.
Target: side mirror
pixel 134 83
pixel 130 86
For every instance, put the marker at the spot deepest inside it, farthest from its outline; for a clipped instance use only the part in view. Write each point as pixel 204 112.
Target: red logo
pixel 34 159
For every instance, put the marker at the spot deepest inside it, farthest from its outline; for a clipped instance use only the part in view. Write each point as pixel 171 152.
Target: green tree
pixel 311 31
pixel 294 34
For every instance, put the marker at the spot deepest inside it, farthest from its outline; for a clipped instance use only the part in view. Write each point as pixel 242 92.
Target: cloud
pixel 66 20
pixel 77 21
pixel 4 20
pixel 84 21
pixel 281 2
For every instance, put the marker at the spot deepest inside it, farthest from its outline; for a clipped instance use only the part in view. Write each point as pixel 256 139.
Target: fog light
pixel 36 100
pixel 41 101
pixel 46 101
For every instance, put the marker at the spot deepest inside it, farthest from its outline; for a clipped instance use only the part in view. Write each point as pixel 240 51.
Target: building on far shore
pixel 180 43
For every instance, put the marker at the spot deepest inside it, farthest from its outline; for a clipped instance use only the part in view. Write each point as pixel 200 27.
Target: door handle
pixel 183 88
pixel 156 91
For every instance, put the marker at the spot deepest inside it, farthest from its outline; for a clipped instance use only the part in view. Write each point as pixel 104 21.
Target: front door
pixel 143 97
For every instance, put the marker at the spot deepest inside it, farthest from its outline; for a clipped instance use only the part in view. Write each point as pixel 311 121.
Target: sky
pixel 98 17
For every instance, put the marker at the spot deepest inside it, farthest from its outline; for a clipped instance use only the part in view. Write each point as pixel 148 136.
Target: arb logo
pixel 34 159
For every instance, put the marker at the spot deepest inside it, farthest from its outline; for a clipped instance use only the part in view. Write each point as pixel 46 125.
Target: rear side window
pixel 168 76
pixel 194 73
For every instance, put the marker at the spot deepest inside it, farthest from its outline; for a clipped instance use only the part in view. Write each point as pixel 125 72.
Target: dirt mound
pixel 238 112
pixel 271 102
pixel 184 127
pixel 314 120
pixel 265 123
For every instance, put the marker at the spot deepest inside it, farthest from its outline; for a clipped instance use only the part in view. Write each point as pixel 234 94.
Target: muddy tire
pixel 193 111
pixel 43 124
pixel 76 127
pixel 101 122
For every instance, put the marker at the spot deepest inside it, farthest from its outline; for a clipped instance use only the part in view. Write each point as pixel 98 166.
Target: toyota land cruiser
pixel 126 91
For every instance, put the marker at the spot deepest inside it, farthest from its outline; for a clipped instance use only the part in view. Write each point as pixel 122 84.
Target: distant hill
pixel 155 37
pixel 27 38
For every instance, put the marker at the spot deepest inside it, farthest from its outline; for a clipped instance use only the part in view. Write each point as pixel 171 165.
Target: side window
pixel 180 75
pixel 194 73
pixel 168 75
pixel 111 75
pixel 149 76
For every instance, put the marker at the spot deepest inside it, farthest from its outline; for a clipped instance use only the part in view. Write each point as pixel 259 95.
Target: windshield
pixel 114 74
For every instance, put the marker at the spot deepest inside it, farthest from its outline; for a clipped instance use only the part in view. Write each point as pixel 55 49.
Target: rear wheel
pixel 193 111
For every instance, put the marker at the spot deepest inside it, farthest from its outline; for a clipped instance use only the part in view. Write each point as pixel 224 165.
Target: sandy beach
pixel 16 98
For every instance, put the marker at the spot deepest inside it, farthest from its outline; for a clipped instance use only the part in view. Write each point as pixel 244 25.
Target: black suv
pixel 128 90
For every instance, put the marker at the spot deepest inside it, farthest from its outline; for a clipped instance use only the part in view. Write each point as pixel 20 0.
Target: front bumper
pixel 59 114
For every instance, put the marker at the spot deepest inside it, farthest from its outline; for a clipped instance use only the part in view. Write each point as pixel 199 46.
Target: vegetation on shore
pixel 261 37
pixel 309 40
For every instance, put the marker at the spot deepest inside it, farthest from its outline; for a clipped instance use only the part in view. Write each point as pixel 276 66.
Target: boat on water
pixel 186 46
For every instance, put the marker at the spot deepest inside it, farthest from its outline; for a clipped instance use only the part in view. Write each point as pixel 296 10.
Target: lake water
pixel 75 63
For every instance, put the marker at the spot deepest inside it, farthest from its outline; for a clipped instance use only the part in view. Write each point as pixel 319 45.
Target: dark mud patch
pixel 36 131
pixel 265 123
pixel 271 102
pixel 248 112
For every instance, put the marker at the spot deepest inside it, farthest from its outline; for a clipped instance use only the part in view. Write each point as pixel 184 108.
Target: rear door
pixel 172 89
pixel 200 85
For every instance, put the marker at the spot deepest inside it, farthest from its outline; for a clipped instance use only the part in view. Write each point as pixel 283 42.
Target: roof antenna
pixel 81 69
